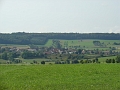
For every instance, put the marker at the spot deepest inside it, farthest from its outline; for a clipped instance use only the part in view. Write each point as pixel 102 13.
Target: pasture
pixel 60 77
pixel 87 44
pixel 84 44
pixel 103 59
pixel 52 58
pixel 13 45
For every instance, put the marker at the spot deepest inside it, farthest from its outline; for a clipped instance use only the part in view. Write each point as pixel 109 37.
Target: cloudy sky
pixel 82 16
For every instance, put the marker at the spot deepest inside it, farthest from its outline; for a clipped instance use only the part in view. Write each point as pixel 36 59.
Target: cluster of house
pixel 47 50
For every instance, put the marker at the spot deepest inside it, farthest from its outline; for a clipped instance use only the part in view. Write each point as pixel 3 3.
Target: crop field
pixel 60 77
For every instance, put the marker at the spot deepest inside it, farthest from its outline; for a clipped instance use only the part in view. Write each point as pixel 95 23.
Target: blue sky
pixel 82 16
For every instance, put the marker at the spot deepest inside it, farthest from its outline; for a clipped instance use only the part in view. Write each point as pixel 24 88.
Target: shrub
pixel 57 62
pixel 75 62
pixel 67 62
pixel 107 61
pixel 35 62
pixel 93 60
pixel 42 62
pixel 81 61
pixel 113 60
pixel 118 59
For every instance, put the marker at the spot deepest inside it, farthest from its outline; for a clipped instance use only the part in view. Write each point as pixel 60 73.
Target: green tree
pixel 67 61
pixel 42 62
pixel 79 51
pixel 113 60
pixel 118 59
pixel 75 61
pixel 96 60
pixel 11 56
pixel 4 56
pixel 35 62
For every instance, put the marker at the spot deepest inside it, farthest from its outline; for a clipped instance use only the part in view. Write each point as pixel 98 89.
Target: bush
pixel 93 60
pixel 35 62
pixel 75 62
pixel 107 61
pixel 57 62
pixel 18 61
pixel 42 62
pixel 67 62
pixel 81 61
pixel 118 59
pixel 113 60
pixel 110 60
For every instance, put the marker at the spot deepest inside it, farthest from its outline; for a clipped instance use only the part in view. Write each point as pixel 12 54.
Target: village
pixel 52 54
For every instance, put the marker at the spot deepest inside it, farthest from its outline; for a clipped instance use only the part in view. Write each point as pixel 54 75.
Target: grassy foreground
pixel 60 77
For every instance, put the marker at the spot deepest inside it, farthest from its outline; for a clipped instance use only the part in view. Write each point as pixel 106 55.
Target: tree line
pixel 41 38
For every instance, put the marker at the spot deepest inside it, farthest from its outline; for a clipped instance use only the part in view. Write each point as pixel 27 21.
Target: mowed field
pixel 87 44
pixel 60 77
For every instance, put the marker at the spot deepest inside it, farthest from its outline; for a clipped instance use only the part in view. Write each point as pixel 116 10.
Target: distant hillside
pixel 41 38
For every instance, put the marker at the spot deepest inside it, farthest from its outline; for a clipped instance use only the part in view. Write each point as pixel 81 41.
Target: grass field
pixel 60 77
pixel 87 44
pixel 53 59
pixel 12 45
pixel 103 59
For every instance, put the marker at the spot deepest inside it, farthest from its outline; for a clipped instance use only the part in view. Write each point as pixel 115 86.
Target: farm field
pixel 86 43
pixel 60 77
pixel 73 45
pixel 13 45
pixel 103 59
pixel 48 61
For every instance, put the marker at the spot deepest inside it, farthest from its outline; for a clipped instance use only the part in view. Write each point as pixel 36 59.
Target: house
pixel 83 52
pixel 32 50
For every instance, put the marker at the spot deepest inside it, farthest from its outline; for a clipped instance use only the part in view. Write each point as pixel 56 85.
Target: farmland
pixel 21 67
pixel 86 44
pixel 71 45
pixel 14 45
pixel 60 77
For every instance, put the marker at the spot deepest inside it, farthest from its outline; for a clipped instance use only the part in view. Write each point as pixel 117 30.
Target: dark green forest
pixel 41 38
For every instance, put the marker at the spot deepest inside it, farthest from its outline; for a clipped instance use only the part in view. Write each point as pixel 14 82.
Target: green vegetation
pixel 28 61
pixel 13 45
pixel 87 44
pixel 103 59
pixel 60 77
pixel 23 38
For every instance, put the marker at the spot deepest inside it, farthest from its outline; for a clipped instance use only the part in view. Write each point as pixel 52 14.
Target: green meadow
pixel 86 43
pixel 60 77
pixel 13 45
pixel 103 59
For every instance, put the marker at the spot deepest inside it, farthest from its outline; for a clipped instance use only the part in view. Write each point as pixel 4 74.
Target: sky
pixel 65 16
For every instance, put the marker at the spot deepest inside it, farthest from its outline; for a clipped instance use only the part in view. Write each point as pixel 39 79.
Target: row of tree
pixel 77 61
pixel 29 55
pixel 42 38
pixel 117 60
